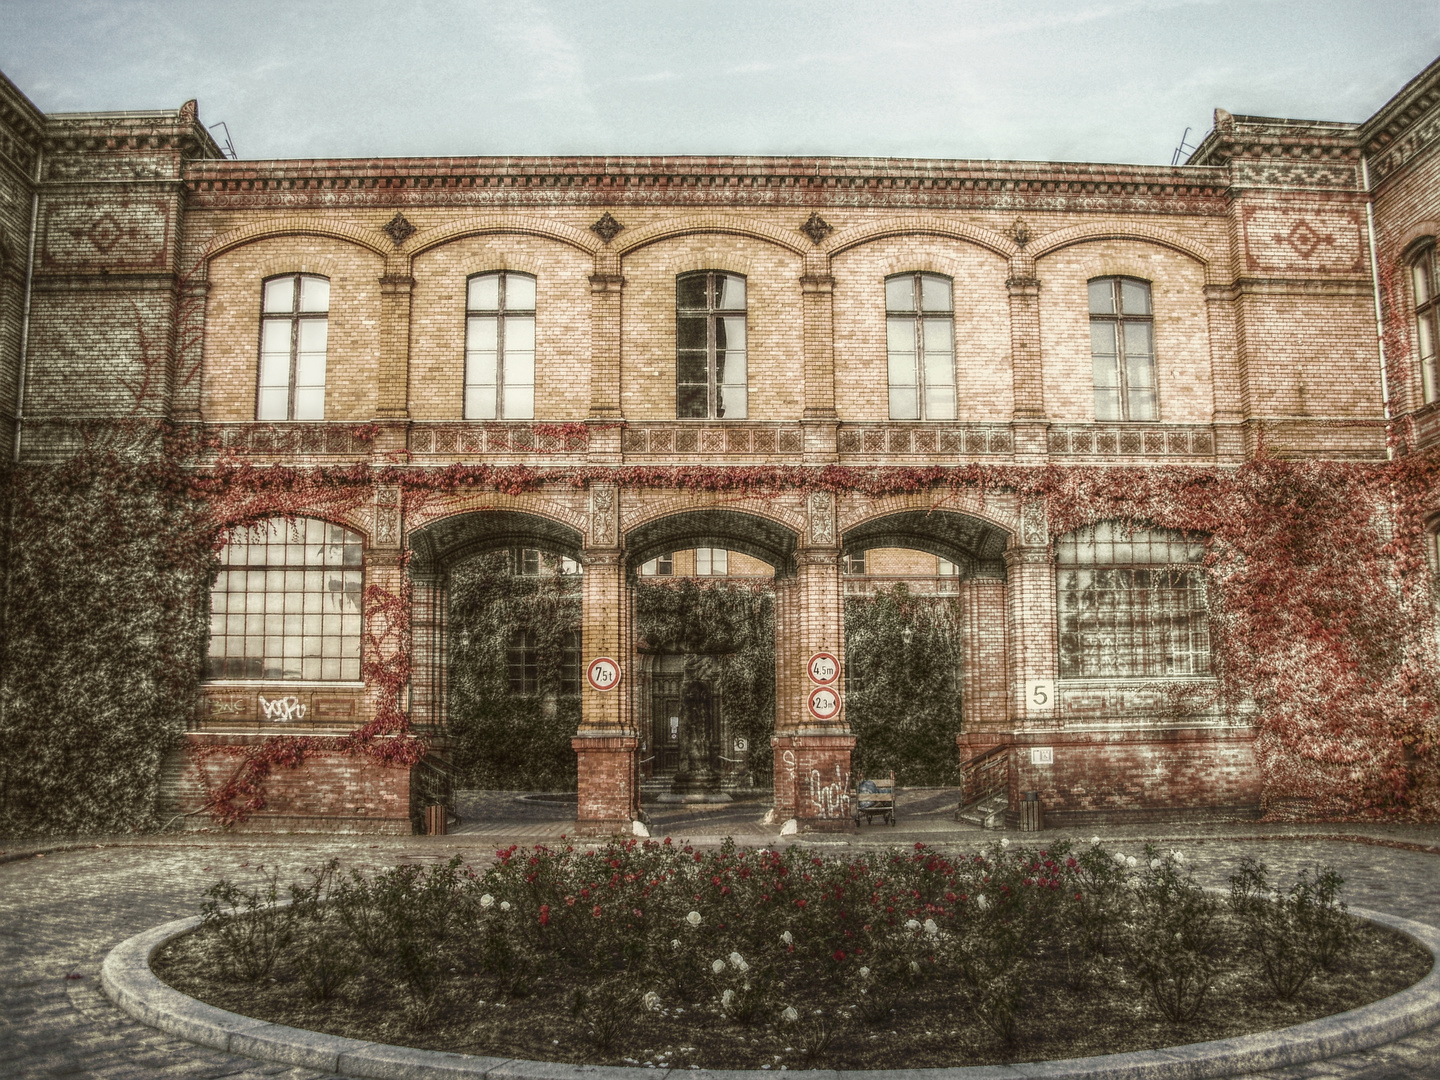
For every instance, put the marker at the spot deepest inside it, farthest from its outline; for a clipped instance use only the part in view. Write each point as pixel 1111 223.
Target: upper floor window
pixel 853 563
pixel 1427 312
pixel 500 347
pixel 660 566
pixel 710 366
pixel 1122 349
pixel 532 562
pixel 294 328
pixel 528 664
pixel 712 562
pixel 1131 604
pixel 286 603
pixel 920 341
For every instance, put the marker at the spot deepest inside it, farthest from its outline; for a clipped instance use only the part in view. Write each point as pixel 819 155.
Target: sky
pixel 1046 80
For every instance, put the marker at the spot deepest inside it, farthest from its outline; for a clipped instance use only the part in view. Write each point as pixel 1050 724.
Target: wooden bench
pixel 875 797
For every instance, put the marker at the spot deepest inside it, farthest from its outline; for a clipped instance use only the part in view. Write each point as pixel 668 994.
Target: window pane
pixel 1102 297
pixel 280 295
pixel 731 402
pixel 519 401
pixel 1102 340
pixel 520 333
pixel 730 367
pixel 519 292
pixel 690 367
pixel 310 403
pixel 1427 334
pixel 480 368
pixel 702 561
pixel 730 333
pixel 274 404
pixel 939 402
pixel 310 369
pixel 1421 273
pixel 939 371
pixel 1143 405
pixel 939 336
pixel 690 333
pixel 1140 372
pixel 482 333
pixel 1107 403
pixel 519 368
pixel 1134 297
pixel 275 369
pixel 480 402
pixel 690 291
pixel 729 292
pixel 313 335
pixel 902 369
pixel 719 561
pixel 314 294
pixel 935 293
pixel 904 403
pixel 900 335
pixel 484 293
pixel 900 293
pixel 1137 338
pixel 275 336
pixel 691 402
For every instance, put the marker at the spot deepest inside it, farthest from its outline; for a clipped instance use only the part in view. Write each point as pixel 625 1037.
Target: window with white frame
pixel 1427 319
pixel 710 346
pixel 286 603
pixel 712 562
pixel 920 345
pixel 1122 349
pixel 1131 604
pixel 500 346
pixel 660 566
pixel 294 332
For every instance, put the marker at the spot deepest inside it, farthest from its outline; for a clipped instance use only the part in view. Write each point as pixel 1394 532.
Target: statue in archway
pixel 697 771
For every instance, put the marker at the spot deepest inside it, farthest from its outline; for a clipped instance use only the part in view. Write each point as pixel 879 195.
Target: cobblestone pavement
pixel 64 906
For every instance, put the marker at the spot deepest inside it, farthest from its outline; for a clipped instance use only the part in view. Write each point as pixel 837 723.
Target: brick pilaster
pixel 817 288
pixel 392 390
pixel 1229 387
pixel 983 634
pixel 1030 628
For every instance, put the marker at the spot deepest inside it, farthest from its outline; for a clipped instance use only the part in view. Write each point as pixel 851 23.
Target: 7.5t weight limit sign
pixel 603 673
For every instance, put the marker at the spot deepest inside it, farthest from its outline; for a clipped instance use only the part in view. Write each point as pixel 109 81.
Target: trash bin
pixel 435 821
pixel 1031 817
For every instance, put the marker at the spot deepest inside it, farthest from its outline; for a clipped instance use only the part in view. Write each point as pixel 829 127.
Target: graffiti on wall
pixel 829 800
pixel 282 709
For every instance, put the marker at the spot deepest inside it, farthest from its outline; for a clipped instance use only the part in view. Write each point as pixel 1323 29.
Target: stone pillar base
pixel 822 782
pixel 609 797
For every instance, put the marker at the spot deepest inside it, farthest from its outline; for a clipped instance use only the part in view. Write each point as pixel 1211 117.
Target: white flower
pixel 1004 841
pixel 912 924
pixel 1094 840
pixel 788 938
pixel 736 960
pixel 864 972
pixel 727 999
pixel 504 905
pixel 1119 858
pixel 675 943
pixel 1177 856
pixel 982 901
pixel 931 928
pixel 1155 864
pixel 718 966
pixel 790 1015
pixel 486 900
pixel 651 1001
pixel 914 967
pixel 1130 862
pixel 693 918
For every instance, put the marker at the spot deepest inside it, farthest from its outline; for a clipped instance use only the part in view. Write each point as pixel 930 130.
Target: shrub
pixel 1169 935
pixel 251 926
pixel 1291 936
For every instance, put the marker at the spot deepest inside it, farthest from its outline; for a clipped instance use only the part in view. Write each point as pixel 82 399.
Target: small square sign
pixel 1042 755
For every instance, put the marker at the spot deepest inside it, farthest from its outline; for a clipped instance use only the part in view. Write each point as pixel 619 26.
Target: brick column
pixel 393 384
pixel 1031 629
pixel 190 303
pixel 819 420
pixel 985 689
pixel 814 622
pixel 1232 403
pixel 606 746
pixel 606 293
pixel 1026 373
pixel 429 652
pixel 788 698
pixel 384 570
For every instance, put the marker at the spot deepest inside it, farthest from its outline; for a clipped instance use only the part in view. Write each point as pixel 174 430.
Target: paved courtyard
pixel 64 905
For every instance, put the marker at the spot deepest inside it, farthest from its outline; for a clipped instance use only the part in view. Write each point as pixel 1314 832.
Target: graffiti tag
pixel 789 759
pixel 286 708
pixel 226 706
pixel 828 799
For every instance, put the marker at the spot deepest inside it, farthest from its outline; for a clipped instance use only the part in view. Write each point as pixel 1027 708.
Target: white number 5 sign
pixel 1041 695
pixel 603 673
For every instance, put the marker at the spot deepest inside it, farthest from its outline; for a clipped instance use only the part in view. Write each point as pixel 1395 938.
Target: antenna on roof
pixel 229 148
pixel 1184 150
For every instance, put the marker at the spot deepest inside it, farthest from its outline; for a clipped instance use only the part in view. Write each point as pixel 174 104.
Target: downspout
pixel 25 315
pixel 1379 307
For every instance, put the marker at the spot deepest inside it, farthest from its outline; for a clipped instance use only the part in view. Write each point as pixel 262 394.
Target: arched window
pixel 1427 307
pixel 920 345
pixel 294 330
pixel 286 603
pixel 1131 604
pixel 710 358
pixel 500 347
pixel 1122 349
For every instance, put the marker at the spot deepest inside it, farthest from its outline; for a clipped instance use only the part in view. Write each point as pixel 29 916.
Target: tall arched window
pixel 500 347
pixel 1427 308
pixel 920 345
pixel 1122 349
pixel 710 357
pixel 1131 604
pixel 294 332
pixel 287 602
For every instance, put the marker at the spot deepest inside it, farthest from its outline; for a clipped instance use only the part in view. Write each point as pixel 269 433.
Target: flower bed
pixel 653 953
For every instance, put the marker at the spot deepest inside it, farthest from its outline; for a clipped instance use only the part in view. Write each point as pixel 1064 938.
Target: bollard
pixel 1031 817
pixel 435 821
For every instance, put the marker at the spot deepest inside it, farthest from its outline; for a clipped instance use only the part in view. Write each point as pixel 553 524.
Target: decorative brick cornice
pixel 705 181
pixel 1403 125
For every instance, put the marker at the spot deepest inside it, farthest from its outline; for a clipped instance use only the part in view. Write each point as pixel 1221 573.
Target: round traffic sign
pixel 603 673
pixel 824 668
pixel 824 703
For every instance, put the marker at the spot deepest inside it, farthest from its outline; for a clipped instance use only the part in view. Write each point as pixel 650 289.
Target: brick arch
pixel 295 225
pixel 1409 242
pixel 483 224
pixel 963 531
pixel 790 518
pixel 859 509
pixel 444 541
pixel 921 225
pixel 1145 234
pixel 356 523
pixel 760 536
pixel 538 503
pixel 699 224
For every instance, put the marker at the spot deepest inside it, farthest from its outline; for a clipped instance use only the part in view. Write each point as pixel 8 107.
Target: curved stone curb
pixel 129 982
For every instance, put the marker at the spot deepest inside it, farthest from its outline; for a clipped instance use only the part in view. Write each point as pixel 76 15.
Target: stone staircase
pixel 988 813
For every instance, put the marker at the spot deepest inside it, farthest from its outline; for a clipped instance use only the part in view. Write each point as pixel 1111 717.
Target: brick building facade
pixel 607 314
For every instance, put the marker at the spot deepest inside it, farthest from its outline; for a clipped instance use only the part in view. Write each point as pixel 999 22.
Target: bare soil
pixel 933 1027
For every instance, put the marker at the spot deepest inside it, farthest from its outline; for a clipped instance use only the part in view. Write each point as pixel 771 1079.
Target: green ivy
pixel 109 568
pixel 903 700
